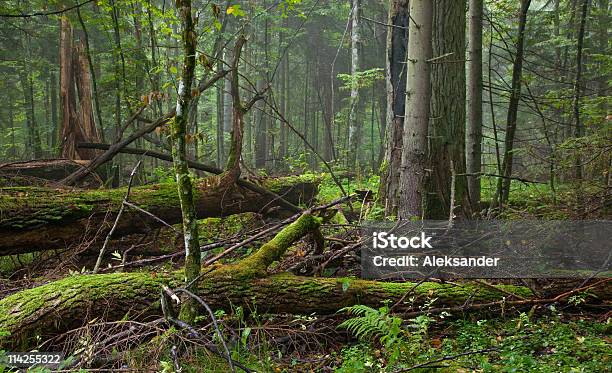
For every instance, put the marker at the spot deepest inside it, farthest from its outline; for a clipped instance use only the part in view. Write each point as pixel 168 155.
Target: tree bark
pixel 92 72
pixel 397 42
pixel 503 184
pixel 27 86
pixel 62 305
pixel 418 96
pixel 179 155
pixel 35 219
pixel 474 102
pixel 447 126
pixel 355 120
pixel 85 109
pixel 578 125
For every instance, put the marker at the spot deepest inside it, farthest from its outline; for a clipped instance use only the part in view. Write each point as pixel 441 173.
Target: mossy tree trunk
pixel 34 219
pixel 179 154
pixel 56 307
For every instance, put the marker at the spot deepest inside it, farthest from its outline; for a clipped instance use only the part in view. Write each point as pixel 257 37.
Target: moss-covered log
pixel 58 306
pixel 33 218
pixel 71 302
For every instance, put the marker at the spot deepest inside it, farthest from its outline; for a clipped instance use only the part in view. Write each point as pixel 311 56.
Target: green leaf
pixel 345 284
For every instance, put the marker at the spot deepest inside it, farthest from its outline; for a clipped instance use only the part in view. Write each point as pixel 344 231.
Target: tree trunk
pixel 27 86
pixel 283 76
pixel 67 94
pixel 418 96
pixel 85 116
pixel 78 123
pixel 447 126
pixel 503 184
pixel 92 72
pixel 55 134
pixel 474 103
pixel 355 120
pixel 179 154
pixel 37 219
pixel 397 42
pixel 261 146
pixel 578 125
pixel 54 308
pixel 220 116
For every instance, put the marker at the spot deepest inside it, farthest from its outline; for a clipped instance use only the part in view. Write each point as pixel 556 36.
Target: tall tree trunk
pixel 227 97
pixel 355 120
pixel 503 184
pixel 179 154
pixel 578 125
pixel 92 72
pixel 67 93
pixel 155 86
pixel 27 86
pixel 235 153
pixel 220 116
pixel 474 102
pixel 283 75
pixel 260 130
pixel 447 126
pixel 397 42
pixel 418 97
pixel 55 134
pixel 11 122
pixel 87 130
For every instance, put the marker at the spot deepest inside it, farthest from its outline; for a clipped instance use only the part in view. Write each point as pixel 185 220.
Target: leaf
pixel 235 11
pixel 346 283
pixel 173 70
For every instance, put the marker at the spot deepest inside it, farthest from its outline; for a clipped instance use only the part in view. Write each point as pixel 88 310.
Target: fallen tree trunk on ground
pixel 59 306
pixel 33 219
pixel 36 172
pixel 197 166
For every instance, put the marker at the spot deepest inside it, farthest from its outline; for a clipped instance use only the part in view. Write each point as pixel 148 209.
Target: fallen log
pixel 44 172
pixel 56 307
pixel 197 166
pixel 33 219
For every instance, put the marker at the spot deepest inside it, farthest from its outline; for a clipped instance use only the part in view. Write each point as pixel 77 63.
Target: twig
pixel 215 324
pixel 110 233
pixel 130 204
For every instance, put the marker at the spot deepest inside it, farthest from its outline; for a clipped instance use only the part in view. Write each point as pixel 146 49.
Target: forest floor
pixel 572 337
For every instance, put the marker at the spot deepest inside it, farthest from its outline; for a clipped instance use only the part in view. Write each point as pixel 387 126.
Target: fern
pixel 371 323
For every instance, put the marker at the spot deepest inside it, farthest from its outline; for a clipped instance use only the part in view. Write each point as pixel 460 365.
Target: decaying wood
pixel 278 200
pixel 115 148
pixel 75 92
pixel 59 306
pixel 43 171
pixel 33 219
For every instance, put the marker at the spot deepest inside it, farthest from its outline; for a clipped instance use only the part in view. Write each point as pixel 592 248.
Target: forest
pixel 247 186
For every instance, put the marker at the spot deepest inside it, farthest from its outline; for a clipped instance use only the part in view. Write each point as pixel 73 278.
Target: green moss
pixel 275 248
pixel 276 184
pixel 21 310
